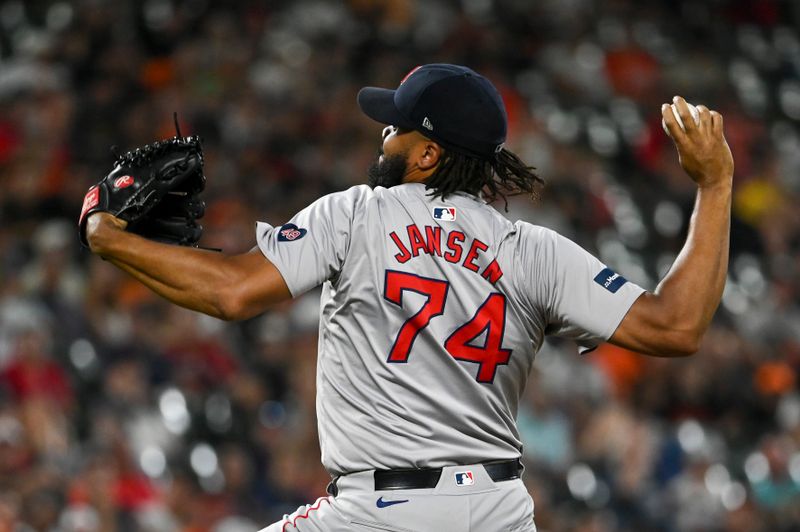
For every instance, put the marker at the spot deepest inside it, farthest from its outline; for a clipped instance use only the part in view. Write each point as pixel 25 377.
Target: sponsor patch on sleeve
pixel 290 232
pixel 610 280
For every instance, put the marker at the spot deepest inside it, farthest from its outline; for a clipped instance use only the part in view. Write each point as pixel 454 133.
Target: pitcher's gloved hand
pixel 156 190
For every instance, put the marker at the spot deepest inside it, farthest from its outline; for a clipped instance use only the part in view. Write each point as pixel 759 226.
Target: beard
pixel 388 173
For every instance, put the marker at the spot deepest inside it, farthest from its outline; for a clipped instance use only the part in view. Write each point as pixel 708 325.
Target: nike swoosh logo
pixel 383 504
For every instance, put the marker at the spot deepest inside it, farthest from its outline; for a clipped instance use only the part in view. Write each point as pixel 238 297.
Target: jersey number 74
pixel 489 318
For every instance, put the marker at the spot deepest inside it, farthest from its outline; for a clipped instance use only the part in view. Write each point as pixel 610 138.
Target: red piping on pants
pixel 305 515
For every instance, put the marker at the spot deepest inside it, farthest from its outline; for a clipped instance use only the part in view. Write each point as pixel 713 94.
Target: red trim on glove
pixel 90 201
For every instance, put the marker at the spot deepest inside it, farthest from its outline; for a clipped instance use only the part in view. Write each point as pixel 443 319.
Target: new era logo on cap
pixel 464 478
pixel 444 214
pixel 427 124
pixel 610 280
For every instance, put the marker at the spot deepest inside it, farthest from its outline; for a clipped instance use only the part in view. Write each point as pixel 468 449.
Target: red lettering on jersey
pixel 434 237
pixel 490 317
pixel 416 240
pixel 469 262
pixel 404 255
pixel 492 273
pixel 454 240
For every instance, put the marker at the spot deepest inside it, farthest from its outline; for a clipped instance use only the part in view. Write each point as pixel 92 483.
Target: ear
pixel 429 155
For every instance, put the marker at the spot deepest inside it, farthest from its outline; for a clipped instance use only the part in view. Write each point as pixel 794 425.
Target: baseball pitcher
pixel 434 304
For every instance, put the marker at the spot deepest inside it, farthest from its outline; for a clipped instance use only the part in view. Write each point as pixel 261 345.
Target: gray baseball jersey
pixel 432 312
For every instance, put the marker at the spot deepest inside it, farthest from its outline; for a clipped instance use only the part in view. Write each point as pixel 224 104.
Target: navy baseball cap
pixel 450 104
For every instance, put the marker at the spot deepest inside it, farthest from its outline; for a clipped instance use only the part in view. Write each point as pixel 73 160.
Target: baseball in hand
pixel 692 109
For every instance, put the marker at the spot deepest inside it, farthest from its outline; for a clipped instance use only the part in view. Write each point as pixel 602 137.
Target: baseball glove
pixel 155 188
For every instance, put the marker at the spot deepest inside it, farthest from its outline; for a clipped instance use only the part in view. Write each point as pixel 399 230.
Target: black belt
pixel 411 479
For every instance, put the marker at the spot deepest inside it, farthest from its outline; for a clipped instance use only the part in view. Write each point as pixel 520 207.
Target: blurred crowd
pixel 119 412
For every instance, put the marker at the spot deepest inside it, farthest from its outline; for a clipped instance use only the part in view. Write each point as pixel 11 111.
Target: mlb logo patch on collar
pixel 610 280
pixel 290 232
pixel 464 478
pixel 445 214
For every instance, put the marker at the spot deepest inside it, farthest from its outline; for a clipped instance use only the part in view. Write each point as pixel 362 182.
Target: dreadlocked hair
pixel 502 176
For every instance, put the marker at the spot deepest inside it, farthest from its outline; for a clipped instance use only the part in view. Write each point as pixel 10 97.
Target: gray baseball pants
pixel 458 503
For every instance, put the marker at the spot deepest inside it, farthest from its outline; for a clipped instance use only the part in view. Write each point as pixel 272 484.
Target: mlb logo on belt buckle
pixel 445 214
pixel 464 478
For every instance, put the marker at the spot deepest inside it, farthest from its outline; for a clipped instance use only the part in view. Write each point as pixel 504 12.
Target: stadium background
pixel 119 412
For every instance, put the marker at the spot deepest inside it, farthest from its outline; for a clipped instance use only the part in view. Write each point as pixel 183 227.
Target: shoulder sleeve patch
pixel 290 232
pixel 610 280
